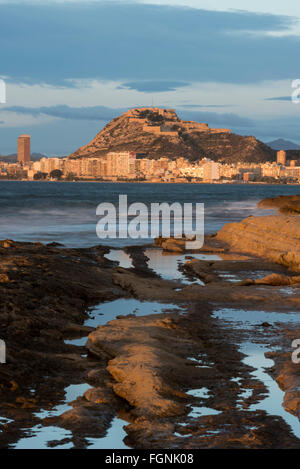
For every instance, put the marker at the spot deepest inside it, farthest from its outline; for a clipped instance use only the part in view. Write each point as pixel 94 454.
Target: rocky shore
pixel 181 377
pixel 285 203
pixel 275 237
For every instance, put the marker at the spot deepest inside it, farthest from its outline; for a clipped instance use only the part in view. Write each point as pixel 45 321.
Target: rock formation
pixel 285 203
pixel 275 237
pixel 157 133
pixel 156 372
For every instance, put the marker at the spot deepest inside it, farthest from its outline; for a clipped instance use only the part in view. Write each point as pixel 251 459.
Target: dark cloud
pixel 279 127
pixel 97 113
pixel 142 45
pixel 153 86
pixel 102 113
pixel 217 119
pixel 279 98
pixel 80 125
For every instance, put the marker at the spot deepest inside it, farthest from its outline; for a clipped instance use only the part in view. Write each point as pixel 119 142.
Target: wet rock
pixel 4 278
pixel 285 203
pixel 137 364
pixel 174 245
pixel 202 270
pixel 276 238
pixel 143 361
pixel 55 245
pixel 87 419
pixel 266 324
pixel 44 295
pixel 278 280
pixel 103 395
pixel 288 378
pixel 7 243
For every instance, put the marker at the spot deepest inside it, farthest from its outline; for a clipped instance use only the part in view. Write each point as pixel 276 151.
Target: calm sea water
pixel 66 212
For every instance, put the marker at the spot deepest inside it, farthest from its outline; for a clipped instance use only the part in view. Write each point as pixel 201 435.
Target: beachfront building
pixel 120 164
pixel 281 157
pixel 211 171
pixel 271 170
pixel 24 149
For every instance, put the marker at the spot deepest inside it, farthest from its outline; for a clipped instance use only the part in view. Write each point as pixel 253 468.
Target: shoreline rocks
pixel 274 237
pixel 148 366
pixel 285 203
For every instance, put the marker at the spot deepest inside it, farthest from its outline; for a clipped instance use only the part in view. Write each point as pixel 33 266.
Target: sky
pixel 70 66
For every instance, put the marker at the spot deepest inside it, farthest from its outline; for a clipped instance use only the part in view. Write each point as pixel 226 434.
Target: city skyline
pixel 127 165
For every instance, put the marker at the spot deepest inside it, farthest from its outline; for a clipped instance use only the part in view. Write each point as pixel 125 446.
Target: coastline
pixel 123 354
pixel 235 183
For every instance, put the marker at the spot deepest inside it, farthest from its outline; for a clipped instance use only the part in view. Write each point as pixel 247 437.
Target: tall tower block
pixel 281 157
pixel 24 149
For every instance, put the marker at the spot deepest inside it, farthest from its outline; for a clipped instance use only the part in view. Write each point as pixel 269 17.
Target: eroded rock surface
pixel 275 237
pixel 156 372
pixel 285 203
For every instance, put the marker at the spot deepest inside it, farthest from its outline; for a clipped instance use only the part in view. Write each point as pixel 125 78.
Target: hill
pixel 157 133
pixel 282 144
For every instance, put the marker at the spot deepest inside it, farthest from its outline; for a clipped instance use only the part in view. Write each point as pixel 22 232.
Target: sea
pixel 65 212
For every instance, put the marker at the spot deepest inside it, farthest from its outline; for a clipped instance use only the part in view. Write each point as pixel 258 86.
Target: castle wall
pixel 156 129
pixel 169 114
pixel 220 131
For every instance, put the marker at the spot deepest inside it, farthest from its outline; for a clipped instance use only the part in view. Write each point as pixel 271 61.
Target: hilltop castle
pixel 165 122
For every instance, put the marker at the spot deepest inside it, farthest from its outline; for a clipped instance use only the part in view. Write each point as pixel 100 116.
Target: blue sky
pixel 70 66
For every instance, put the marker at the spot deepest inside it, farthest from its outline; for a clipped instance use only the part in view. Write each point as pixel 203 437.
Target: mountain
pixel 155 133
pixel 281 144
pixel 13 157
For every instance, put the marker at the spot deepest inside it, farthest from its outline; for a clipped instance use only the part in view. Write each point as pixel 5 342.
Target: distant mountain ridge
pixel 13 157
pixel 282 144
pixel 156 133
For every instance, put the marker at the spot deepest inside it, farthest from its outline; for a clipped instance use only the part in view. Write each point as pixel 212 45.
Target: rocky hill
pixel 157 133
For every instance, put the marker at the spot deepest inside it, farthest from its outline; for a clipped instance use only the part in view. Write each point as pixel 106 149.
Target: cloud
pixel 92 113
pixel 81 124
pixel 142 45
pixel 154 86
pixel 102 113
pixel 279 98
pixel 198 106
pixel 217 119
pixel 278 127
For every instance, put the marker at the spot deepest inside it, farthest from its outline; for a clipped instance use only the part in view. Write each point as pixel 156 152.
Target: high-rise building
pixel 211 170
pixel 281 157
pixel 24 149
pixel 120 163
